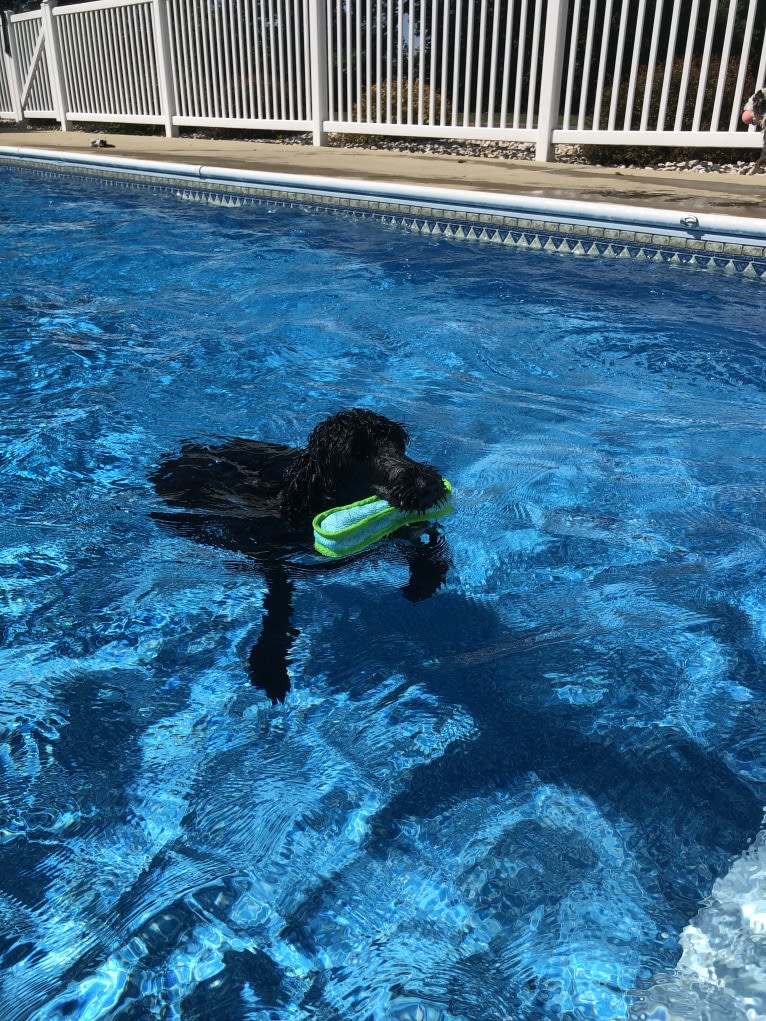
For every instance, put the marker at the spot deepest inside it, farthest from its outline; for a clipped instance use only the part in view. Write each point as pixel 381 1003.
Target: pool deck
pixel 687 191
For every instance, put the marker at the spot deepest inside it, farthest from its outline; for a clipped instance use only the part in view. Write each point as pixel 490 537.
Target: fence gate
pixel 26 39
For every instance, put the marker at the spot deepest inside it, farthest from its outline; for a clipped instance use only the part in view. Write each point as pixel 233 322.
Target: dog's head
pixel 756 107
pixel 353 455
pixel 355 437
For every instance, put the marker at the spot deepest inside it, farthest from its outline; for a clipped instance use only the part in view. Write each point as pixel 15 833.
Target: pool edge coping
pixel 711 241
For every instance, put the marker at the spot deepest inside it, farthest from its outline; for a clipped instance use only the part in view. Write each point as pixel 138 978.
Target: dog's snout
pixel 430 490
pixel 412 486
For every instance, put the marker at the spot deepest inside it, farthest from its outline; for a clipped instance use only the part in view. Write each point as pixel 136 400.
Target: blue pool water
pixel 523 799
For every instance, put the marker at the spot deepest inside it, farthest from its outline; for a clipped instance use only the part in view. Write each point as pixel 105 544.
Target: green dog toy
pixel 341 531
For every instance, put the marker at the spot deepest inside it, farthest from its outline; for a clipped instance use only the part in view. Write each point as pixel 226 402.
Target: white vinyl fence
pixel 618 72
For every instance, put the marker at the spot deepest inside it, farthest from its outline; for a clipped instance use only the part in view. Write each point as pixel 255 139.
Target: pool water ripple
pixel 529 797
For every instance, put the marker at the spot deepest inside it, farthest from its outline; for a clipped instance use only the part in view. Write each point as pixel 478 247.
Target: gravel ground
pixel 571 154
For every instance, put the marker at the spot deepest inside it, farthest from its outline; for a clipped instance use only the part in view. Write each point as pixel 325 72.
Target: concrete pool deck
pixel 689 191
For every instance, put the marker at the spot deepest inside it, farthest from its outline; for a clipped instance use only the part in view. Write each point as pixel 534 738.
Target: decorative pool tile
pixel 682 247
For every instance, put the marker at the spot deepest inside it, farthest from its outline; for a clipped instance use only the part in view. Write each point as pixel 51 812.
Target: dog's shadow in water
pixel 423 548
pixel 683 811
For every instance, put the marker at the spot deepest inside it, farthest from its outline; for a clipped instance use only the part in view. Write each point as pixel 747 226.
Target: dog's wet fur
pixel 260 498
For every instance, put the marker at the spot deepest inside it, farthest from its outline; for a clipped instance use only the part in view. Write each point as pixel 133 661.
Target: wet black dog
pixel 755 113
pixel 260 499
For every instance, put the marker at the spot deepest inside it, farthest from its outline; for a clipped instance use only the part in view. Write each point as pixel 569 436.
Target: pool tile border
pixel 522 231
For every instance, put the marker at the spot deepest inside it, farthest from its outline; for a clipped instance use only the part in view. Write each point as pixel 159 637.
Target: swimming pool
pixel 510 801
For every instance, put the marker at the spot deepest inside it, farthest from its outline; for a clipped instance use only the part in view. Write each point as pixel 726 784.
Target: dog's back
pixel 238 477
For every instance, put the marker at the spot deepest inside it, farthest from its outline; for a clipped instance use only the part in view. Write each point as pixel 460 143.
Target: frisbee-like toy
pixel 341 531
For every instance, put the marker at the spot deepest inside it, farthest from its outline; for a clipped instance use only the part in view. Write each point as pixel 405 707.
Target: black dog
pixel 755 113
pixel 260 499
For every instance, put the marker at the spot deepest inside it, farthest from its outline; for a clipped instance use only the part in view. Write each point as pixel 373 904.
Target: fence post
pixel 550 83
pixel 11 61
pixel 55 70
pixel 165 75
pixel 318 59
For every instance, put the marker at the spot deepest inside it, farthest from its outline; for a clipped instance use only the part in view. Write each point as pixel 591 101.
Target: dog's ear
pixel 331 439
pixel 304 491
pixel 336 442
